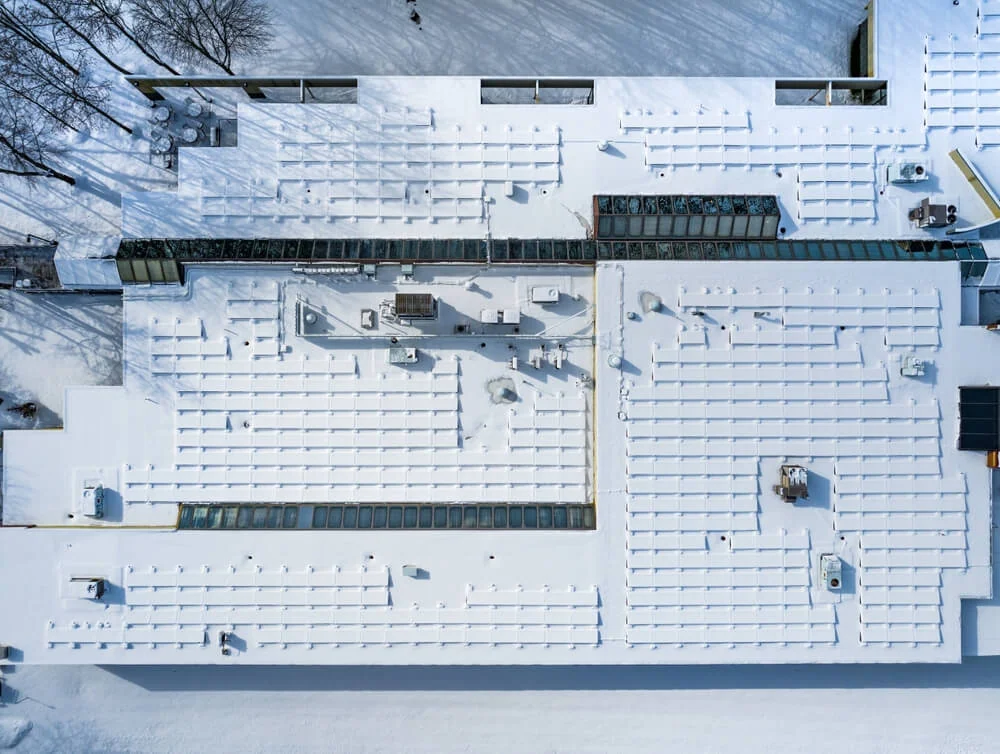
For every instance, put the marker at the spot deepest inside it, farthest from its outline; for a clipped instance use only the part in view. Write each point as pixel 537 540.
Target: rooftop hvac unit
pixel 912 367
pixel 415 306
pixel 793 483
pixel 401 355
pixel 87 588
pixel 928 215
pixel 908 172
pixel 91 502
pixel 831 571
pixel 544 294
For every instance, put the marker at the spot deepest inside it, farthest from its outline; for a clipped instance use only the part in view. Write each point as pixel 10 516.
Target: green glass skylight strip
pixel 154 261
pixel 684 216
pixel 804 251
pixel 195 516
pixel 360 250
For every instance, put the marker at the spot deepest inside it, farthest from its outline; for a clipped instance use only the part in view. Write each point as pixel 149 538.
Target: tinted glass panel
pixel 278 517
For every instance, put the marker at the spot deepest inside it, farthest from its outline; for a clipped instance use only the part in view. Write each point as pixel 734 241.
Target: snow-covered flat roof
pixel 674 415
pixel 647 461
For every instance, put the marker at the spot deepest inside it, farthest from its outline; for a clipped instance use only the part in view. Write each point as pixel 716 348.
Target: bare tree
pixel 26 143
pixel 110 18
pixel 61 89
pixel 217 30
pixel 19 22
pixel 88 25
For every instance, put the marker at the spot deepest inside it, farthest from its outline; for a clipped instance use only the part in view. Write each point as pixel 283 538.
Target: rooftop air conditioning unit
pixel 928 215
pixel 831 571
pixel 793 483
pixel 87 587
pixel 415 306
pixel 908 172
pixel 91 502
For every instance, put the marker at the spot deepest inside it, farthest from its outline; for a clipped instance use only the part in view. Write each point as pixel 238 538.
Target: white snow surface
pixel 759 710
pixel 50 341
pixel 513 38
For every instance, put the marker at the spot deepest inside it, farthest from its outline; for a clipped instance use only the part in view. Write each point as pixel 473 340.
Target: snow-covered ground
pixel 807 710
pixel 555 37
pixel 50 341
